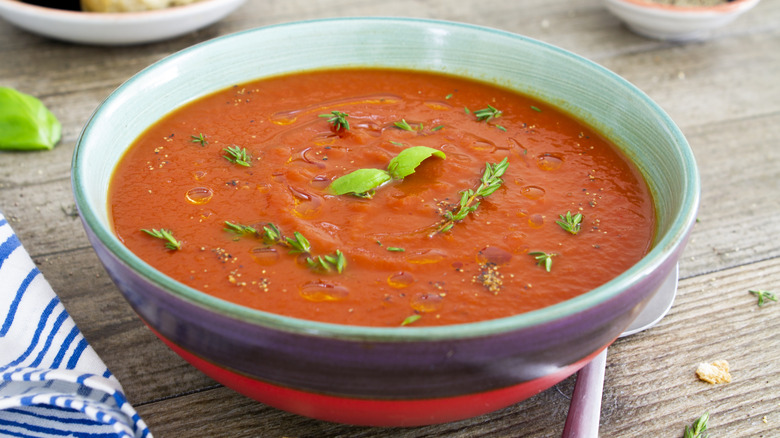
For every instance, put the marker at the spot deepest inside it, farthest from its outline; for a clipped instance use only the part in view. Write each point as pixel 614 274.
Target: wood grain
pixel 724 94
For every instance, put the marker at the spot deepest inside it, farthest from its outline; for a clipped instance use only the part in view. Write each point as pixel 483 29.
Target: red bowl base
pixel 369 412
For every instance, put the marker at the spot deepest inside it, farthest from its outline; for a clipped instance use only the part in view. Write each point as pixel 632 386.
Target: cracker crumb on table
pixel 715 372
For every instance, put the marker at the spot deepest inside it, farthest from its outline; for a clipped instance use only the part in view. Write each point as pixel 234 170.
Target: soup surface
pixel 293 195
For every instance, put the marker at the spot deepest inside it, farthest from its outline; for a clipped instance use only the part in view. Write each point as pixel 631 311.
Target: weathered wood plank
pixel 651 386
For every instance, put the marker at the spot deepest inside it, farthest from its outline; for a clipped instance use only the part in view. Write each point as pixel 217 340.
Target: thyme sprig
pixel 487 114
pixel 543 259
pixel 238 155
pixel 328 263
pixel 699 427
pixel 489 183
pixel 762 295
pixel 570 223
pixel 298 244
pixel 403 124
pixel 411 319
pixel 166 235
pixel 200 138
pixel 271 234
pixel 239 228
pixel 338 119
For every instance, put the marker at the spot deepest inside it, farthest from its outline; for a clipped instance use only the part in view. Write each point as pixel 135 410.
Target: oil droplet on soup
pixel 549 162
pixel 400 280
pixel 199 175
pixel 533 192
pixel 264 255
pixel 427 257
pixel 199 195
pixel 319 291
pixel 494 255
pixel 536 220
pixel 426 302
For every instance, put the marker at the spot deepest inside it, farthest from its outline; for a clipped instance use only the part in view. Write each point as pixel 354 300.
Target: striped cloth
pixel 52 383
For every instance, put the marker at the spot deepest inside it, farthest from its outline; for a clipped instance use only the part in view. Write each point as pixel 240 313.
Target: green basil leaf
pixel 404 164
pixel 26 123
pixel 359 181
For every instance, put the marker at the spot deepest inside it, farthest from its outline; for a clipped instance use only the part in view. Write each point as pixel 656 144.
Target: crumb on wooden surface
pixel 715 372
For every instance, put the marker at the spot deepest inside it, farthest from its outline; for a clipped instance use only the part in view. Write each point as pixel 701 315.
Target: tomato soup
pixel 380 198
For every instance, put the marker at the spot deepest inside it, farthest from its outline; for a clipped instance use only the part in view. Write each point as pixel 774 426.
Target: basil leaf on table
pixel 26 123
pixel 362 181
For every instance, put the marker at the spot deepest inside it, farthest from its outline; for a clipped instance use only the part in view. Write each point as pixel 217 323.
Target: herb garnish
pixel 489 183
pixel 166 235
pixel 200 138
pixel 763 294
pixel 699 427
pixel 328 263
pixel 362 182
pixel 403 124
pixel 543 259
pixel 298 244
pixel 238 155
pixel 487 114
pixel 338 119
pixel 271 234
pixel 570 223
pixel 410 319
pixel 395 249
pixel 239 228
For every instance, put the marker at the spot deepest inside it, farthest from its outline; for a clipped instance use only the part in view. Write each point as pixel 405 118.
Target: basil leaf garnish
pixel 362 181
pixel 359 182
pixel 404 164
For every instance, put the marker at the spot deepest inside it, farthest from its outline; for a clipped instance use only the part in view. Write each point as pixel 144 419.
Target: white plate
pixel 116 28
pixel 676 23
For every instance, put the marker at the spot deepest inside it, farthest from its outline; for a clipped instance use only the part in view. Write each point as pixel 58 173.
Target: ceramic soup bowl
pixel 389 376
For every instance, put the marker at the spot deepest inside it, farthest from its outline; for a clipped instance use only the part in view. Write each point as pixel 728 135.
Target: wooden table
pixel 724 94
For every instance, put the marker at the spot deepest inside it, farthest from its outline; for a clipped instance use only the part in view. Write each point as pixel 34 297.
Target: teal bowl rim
pixel 662 249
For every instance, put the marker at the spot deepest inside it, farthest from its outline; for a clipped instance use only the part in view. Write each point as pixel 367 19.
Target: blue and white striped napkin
pixel 52 383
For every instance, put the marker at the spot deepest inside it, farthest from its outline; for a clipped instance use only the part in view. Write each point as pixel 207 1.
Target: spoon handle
pixel 585 407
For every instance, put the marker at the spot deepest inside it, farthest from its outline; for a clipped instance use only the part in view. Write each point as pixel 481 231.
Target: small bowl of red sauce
pixel 435 221
pixel 678 20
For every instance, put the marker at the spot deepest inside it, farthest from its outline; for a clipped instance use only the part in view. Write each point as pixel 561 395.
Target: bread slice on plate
pixel 130 5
